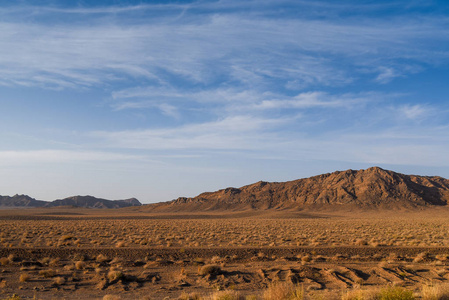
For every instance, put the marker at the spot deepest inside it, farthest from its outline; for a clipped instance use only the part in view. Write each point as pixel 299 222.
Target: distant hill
pixel 79 201
pixel 92 202
pixel 370 188
pixel 21 201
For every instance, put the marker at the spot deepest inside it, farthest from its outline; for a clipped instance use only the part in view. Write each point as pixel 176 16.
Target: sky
pixel 162 99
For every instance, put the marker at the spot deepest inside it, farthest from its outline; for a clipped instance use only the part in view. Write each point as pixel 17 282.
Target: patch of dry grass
pixel 284 291
pixel 226 232
pixel 435 292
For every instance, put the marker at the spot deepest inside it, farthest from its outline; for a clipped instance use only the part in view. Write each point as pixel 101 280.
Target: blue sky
pixel 160 99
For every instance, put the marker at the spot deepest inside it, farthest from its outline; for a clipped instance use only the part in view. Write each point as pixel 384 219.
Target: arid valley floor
pixel 74 253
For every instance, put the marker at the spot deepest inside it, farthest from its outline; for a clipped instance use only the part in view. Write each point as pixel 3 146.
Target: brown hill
pixel 20 201
pixel 370 188
pixel 93 202
pixel 79 201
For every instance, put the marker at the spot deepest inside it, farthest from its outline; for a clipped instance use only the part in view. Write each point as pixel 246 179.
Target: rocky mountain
pixel 79 201
pixel 370 188
pixel 21 201
pixel 92 202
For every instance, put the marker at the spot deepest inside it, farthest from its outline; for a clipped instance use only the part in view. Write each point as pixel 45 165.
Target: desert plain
pixel 132 253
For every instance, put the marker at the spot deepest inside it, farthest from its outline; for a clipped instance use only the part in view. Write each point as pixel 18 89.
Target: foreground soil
pixel 86 254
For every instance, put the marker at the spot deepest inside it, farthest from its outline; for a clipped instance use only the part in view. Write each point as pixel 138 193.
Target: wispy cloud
pixel 318 100
pixel 414 112
pixel 62 156
pixel 250 50
pixel 208 83
pixel 236 132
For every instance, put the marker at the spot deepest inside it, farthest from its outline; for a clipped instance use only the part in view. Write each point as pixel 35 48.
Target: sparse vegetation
pixel 115 275
pixel 24 277
pixel 209 270
pixel 396 293
pixel 178 254
pixel 435 292
pixel 284 291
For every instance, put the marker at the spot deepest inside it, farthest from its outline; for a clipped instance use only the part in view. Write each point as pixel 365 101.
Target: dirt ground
pixel 73 253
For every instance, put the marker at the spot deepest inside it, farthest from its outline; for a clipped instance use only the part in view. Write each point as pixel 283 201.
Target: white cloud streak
pixel 247 49
pixel 61 156
pixel 237 132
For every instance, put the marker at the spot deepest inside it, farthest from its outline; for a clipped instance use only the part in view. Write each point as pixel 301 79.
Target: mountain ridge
pixel 370 188
pixel 78 201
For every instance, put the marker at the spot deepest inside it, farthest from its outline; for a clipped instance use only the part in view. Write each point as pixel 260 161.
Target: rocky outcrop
pixel 79 201
pixel 370 188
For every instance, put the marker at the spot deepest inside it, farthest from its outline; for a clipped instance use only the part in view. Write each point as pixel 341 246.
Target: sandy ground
pixel 86 271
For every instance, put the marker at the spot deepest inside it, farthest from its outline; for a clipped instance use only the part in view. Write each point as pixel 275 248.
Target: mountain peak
pixel 369 188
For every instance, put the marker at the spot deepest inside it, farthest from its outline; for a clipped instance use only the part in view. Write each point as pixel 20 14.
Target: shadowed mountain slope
pixel 80 201
pixel 370 188
pixel 92 202
pixel 21 201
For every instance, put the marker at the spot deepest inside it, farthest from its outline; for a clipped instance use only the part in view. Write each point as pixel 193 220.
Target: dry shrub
pixel 435 292
pixel 47 273
pixel 13 297
pixel 421 257
pixel 120 244
pixel 209 270
pixel 66 237
pixel 359 294
pixel 12 258
pixel 54 262
pixel 45 260
pixel 386 293
pixel 116 261
pixel 306 258
pixel 59 280
pixel 101 258
pixel 115 275
pixel 79 265
pixel 191 296
pixel 227 295
pixel 396 293
pixel 361 242
pixel 4 261
pixel 111 297
pixel 24 277
pixel 442 257
pixel 283 291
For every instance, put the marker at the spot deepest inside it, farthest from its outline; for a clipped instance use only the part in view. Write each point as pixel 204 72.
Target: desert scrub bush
pixel 12 258
pixel 359 294
pixel 115 275
pixel 283 291
pixel 54 262
pixel 101 258
pixel 13 297
pixel 24 277
pixel 395 293
pixel 435 292
pixel 421 257
pixel 227 295
pixel 79 265
pixel 59 280
pixel 209 270
pixel 4 261
pixel 191 296
pixel 47 273
pixel 111 297
pixel 120 244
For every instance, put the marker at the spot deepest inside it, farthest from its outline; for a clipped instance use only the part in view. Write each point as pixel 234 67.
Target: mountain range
pixel 369 188
pixel 79 201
